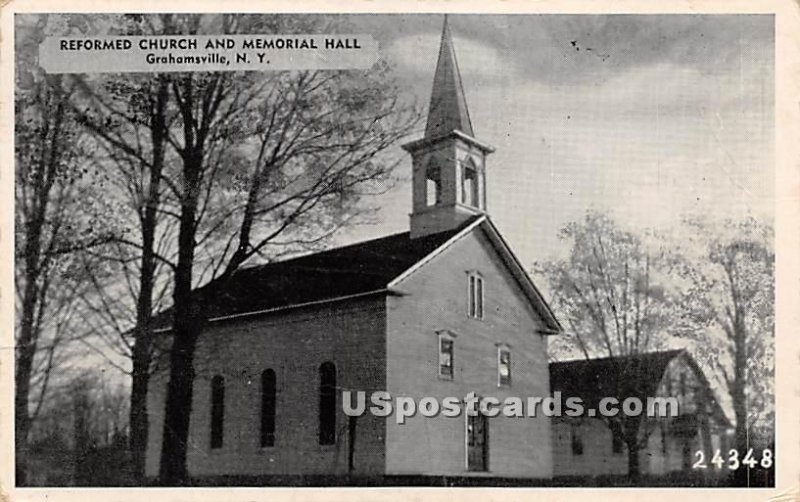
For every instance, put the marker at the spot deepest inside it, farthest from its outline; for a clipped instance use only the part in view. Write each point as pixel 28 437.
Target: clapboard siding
pixel 350 334
pixel 665 451
pixel 435 298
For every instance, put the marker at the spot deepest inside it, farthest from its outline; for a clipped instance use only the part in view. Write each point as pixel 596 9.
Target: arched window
pixel 469 184
pixel 327 403
pixel 217 410
pixel 267 408
pixel 433 185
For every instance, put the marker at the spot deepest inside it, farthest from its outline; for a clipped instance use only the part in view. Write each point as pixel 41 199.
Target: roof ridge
pixel 323 251
pixel 625 356
pixel 357 243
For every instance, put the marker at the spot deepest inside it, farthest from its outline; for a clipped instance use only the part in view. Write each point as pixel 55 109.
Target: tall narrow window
pixel 327 403
pixel 503 366
pixel 433 186
pixel 576 440
pixel 217 410
pixel 475 294
pixel 445 356
pixel 682 384
pixel 469 185
pixel 267 408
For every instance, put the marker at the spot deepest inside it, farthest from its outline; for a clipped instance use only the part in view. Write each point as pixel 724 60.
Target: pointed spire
pixel 448 109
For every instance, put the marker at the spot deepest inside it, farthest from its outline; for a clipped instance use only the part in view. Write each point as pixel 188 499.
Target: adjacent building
pixel 586 446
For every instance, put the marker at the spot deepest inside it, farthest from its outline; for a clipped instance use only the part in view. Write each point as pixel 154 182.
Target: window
pixel 217 410
pixel 327 403
pixel 433 186
pixel 445 356
pixel 683 384
pixel 469 184
pixel 268 408
pixel 576 440
pixel 475 294
pixel 503 365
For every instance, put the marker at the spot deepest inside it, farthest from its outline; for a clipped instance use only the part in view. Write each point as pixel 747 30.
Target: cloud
pixel 415 56
pixel 679 118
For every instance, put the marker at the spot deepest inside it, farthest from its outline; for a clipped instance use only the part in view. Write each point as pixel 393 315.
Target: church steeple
pixel 448 108
pixel 448 162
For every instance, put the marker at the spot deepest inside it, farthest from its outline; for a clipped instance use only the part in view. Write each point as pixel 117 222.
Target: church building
pixel 441 310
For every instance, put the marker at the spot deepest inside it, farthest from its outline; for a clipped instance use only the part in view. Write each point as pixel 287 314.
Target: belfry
pixel 448 163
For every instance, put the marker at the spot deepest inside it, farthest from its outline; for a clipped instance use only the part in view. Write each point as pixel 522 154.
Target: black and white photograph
pixel 440 249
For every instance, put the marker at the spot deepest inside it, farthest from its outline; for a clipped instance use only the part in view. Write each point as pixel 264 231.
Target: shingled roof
pixel 636 375
pixel 356 269
pixel 448 107
pixel 620 377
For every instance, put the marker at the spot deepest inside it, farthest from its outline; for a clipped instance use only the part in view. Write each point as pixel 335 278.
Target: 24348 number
pixel 733 462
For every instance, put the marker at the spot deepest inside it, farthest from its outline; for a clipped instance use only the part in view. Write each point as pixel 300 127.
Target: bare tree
pixel 135 143
pixel 610 292
pixel 253 163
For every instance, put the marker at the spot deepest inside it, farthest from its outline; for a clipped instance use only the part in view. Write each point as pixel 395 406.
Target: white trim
pixel 286 307
pixel 435 252
pixel 469 293
pixel 421 143
pixel 480 284
pixel 526 281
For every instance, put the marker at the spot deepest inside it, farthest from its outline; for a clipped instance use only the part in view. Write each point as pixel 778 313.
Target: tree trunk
pixel 143 344
pixel 26 350
pixel 186 324
pixel 631 427
pixel 138 415
pixel 173 470
pixel 26 343
pixel 634 469
pixel 141 367
pixel 738 396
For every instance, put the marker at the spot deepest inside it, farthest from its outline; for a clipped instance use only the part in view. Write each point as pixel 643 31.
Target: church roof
pixel 448 107
pixel 358 269
pixel 366 268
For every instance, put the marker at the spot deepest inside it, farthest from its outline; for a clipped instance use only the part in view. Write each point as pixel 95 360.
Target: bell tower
pixel 448 163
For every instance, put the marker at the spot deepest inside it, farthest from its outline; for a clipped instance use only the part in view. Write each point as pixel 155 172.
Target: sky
pixel 651 118
pixel 648 117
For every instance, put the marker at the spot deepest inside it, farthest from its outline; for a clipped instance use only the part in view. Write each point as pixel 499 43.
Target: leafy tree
pixel 610 292
pixel 727 305
pixel 57 213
